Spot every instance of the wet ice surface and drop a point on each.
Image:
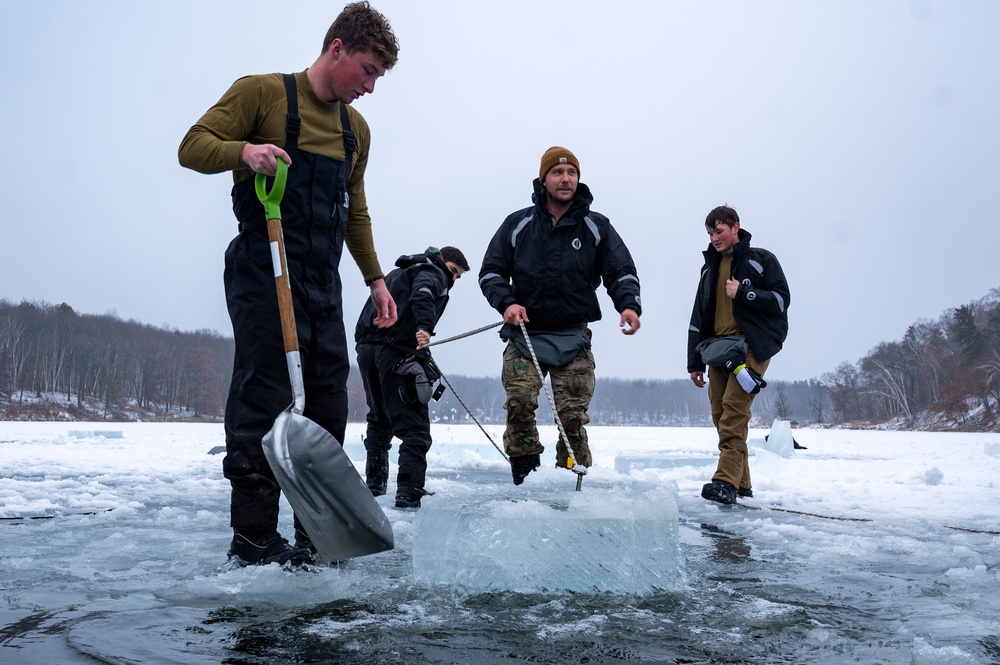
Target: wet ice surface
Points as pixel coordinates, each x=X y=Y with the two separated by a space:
x=126 y=564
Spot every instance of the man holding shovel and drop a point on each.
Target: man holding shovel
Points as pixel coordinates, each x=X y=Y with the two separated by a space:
x=305 y=120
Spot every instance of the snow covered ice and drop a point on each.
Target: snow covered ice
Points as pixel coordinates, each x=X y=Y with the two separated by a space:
x=866 y=547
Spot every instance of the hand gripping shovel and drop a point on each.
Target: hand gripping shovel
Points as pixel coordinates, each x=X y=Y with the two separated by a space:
x=319 y=480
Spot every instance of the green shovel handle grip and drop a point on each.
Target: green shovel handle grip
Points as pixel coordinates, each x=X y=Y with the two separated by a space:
x=272 y=199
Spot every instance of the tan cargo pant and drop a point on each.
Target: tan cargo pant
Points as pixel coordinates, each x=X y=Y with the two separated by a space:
x=572 y=389
x=731 y=415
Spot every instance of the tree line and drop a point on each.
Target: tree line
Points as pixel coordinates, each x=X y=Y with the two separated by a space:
x=108 y=367
x=946 y=371
x=56 y=363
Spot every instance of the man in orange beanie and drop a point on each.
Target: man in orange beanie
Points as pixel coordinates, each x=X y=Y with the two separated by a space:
x=555 y=156
x=542 y=268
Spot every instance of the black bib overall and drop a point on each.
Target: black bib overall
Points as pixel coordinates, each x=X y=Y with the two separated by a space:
x=314 y=214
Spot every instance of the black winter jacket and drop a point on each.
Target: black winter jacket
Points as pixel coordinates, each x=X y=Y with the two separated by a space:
x=419 y=284
x=554 y=271
x=760 y=306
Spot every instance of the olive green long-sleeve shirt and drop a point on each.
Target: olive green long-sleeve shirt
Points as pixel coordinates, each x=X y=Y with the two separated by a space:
x=254 y=110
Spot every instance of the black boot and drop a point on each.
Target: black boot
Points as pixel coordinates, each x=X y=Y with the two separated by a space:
x=409 y=497
x=377 y=471
x=521 y=466
x=720 y=491
x=261 y=551
x=302 y=539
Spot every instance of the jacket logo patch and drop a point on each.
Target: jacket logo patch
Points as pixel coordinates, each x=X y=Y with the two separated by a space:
x=751 y=295
x=576 y=243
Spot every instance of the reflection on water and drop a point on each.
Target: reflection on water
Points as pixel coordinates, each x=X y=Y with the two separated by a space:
x=729 y=548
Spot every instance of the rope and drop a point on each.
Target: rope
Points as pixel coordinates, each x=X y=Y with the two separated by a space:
x=855 y=519
x=467 y=334
x=49 y=517
x=802 y=512
x=471 y=415
x=455 y=392
x=960 y=528
x=552 y=403
x=577 y=469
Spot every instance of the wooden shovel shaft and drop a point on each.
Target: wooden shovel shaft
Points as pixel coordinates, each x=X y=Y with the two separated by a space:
x=284 y=287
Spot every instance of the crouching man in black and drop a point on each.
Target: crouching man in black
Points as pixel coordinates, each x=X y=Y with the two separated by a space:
x=398 y=372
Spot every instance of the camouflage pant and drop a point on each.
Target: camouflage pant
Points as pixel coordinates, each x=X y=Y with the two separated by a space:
x=572 y=389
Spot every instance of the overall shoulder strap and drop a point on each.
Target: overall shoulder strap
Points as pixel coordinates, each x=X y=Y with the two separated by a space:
x=350 y=144
x=293 y=123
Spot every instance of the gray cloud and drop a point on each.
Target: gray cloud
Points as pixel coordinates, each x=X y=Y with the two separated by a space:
x=855 y=139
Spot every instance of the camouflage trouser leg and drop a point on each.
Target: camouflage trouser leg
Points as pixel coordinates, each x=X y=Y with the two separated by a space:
x=572 y=389
x=522 y=383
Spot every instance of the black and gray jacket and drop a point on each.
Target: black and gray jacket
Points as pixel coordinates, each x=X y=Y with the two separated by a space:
x=554 y=271
x=419 y=285
x=760 y=306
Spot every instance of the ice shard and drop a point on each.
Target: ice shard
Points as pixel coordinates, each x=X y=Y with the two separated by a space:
x=780 y=440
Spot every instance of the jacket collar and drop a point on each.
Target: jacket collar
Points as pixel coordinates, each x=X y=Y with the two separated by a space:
x=577 y=209
x=426 y=258
x=741 y=246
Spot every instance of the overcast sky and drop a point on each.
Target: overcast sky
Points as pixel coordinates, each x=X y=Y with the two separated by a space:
x=857 y=140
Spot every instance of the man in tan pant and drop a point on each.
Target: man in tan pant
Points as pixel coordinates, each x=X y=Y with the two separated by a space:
x=742 y=297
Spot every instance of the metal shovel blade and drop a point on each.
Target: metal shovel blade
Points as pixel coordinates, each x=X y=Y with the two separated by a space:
x=327 y=493
x=334 y=505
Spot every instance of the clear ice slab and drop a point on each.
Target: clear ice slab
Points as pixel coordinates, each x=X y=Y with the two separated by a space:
x=602 y=539
x=629 y=462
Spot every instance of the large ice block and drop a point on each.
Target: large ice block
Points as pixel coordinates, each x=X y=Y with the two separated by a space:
x=93 y=434
x=628 y=462
x=597 y=540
